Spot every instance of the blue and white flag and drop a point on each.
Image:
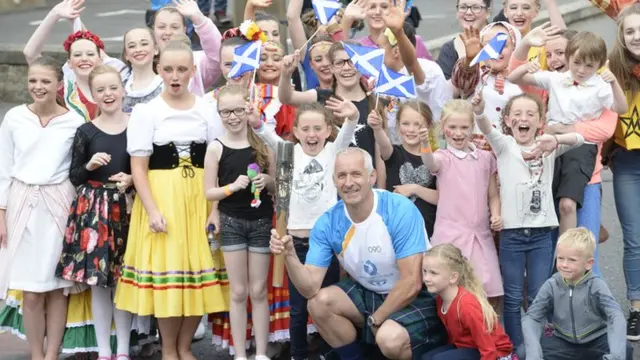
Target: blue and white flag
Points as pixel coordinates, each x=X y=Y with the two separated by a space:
x=245 y=58
x=395 y=84
x=367 y=60
x=492 y=50
x=325 y=9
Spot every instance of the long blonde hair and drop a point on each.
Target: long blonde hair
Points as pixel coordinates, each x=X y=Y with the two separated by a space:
x=453 y=107
x=452 y=257
x=621 y=61
x=260 y=149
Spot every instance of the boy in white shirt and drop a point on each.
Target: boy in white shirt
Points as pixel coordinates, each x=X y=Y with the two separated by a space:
x=576 y=95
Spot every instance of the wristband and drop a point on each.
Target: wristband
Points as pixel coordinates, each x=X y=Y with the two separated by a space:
x=425 y=150
x=557 y=141
x=227 y=190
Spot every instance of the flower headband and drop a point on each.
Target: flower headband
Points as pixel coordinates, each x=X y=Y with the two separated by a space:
x=252 y=32
x=87 y=35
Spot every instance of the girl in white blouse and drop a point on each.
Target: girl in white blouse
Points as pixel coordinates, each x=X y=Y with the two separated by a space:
x=35 y=196
x=168 y=270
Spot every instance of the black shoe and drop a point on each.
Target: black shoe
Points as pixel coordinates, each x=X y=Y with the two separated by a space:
x=633 y=326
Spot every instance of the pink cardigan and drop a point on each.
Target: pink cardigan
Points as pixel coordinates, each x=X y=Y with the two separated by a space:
x=207 y=61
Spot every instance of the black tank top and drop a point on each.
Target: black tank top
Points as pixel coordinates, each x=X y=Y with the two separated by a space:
x=233 y=163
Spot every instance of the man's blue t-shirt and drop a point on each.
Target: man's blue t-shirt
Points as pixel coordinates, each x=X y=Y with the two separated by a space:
x=369 y=250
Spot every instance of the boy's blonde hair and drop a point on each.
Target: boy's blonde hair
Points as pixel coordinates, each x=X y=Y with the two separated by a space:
x=579 y=239
x=453 y=107
x=452 y=257
x=588 y=46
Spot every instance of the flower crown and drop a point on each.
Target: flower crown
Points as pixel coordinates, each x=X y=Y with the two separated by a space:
x=252 y=32
x=87 y=35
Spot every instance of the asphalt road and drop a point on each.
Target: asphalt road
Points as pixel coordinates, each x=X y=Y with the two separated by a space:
x=111 y=18
x=12 y=348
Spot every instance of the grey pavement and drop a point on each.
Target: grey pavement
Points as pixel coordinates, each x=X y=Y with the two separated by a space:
x=111 y=18
x=12 y=348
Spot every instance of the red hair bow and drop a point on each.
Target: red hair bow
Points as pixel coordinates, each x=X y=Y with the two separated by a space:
x=87 y=35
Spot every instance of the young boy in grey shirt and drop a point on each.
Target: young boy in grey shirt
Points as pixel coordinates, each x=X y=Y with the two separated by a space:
x=588 y=323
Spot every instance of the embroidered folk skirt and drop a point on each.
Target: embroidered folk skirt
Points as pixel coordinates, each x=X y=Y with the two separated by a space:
x=172 y=274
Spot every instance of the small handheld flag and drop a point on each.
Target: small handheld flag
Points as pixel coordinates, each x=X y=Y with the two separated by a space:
x=395 y=84
x=492 y=50
x=367 y=60
x=245 y=58
x=325 y=9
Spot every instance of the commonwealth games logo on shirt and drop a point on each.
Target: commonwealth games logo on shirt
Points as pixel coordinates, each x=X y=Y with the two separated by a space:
x=376 y=279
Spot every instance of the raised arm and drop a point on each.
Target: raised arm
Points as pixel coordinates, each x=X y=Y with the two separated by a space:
x=67 y=9
x=347 y=110
x=394 y=19
x=296 y=30
x=266 y=133
x=286 y=92
x=524 y=74
x=210 y=40
x=430 y=161
x=382 y=139
x=555 y=16
x=252 y=5
x=619 y=97
x=355 y=11
x=465 y=78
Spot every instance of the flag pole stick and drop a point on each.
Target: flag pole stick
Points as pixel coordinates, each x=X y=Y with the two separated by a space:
x=377 y=100
x=309 y=39
x=253 y=85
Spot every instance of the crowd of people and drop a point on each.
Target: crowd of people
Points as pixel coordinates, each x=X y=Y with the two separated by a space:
x=137 y=197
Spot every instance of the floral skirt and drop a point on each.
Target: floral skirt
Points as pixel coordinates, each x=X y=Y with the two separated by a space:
x=96 y=236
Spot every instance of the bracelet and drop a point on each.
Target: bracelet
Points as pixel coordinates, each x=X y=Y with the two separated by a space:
x=227 y=190
x=425 y=150
x=259 y=128
x=557 y=141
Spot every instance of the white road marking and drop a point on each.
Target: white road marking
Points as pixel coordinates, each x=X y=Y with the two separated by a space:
x=115 y=38
x=120 y=12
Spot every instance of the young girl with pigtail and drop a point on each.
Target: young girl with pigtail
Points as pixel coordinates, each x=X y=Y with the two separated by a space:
x=313 y=193
x=462 y=305
x=526 y=198
x=276 y=119
x=468 y=198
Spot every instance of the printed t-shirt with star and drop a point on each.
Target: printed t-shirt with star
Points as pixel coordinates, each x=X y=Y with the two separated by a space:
x=363 y=138
x=627 y=132
x=569 y=101
x=406 y=168
x=369 y=251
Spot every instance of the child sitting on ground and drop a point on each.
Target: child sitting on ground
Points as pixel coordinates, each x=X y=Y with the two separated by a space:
x=588 y=322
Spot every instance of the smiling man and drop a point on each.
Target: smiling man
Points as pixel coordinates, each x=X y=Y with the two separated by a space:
x=379 y=239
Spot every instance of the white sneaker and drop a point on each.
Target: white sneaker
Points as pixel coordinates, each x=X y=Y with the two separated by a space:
x=200 y=332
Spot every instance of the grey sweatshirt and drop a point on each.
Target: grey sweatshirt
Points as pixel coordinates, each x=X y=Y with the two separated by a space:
x=581 y=313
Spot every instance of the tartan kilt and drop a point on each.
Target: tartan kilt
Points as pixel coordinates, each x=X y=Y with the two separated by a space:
x=420 y=318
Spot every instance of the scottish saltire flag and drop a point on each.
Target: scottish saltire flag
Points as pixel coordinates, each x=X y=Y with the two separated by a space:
x=367 y=60
x=492 y=50
x=325 y=9
x=245 y=58
x=395 y=84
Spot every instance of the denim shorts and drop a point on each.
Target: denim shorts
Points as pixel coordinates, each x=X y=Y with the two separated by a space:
x=240 y=234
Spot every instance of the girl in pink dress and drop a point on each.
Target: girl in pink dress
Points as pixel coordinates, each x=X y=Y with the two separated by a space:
x=469 y=201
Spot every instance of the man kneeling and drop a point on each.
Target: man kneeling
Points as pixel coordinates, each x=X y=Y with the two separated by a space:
x=379 y=238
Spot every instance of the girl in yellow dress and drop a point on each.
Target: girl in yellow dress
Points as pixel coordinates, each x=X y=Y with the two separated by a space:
x=168 y=269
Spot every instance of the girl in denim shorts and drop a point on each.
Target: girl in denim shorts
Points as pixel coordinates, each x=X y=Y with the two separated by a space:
x=245 y=215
